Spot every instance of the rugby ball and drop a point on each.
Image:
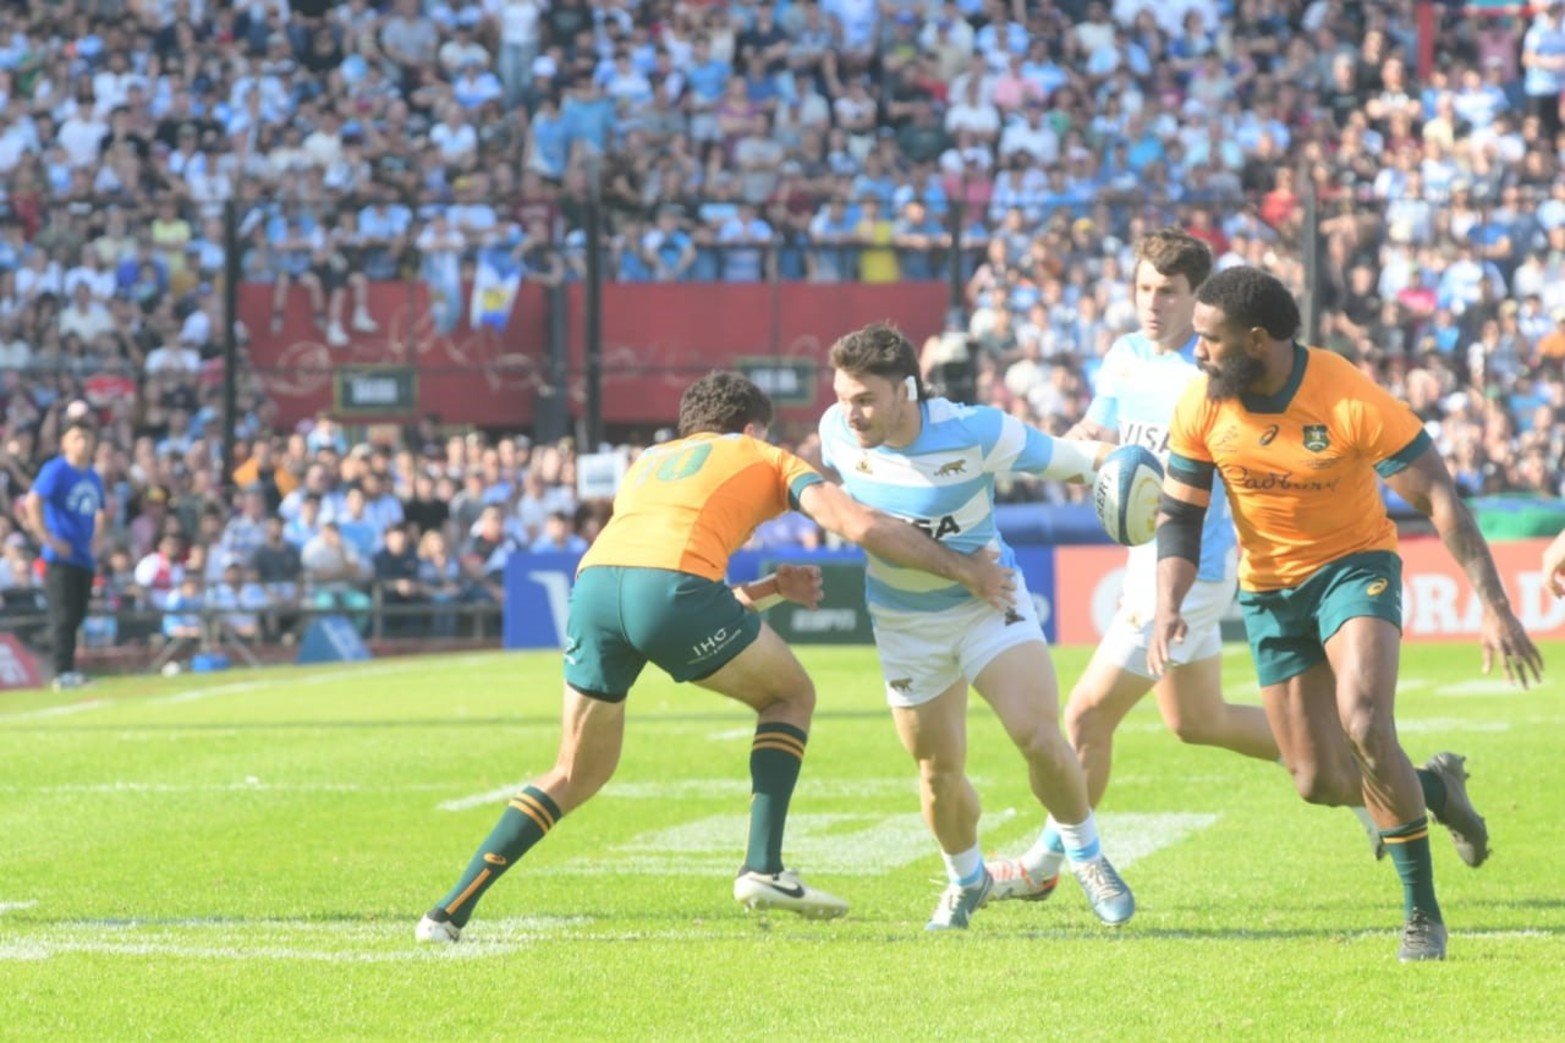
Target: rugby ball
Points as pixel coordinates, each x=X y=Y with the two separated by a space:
x=1126 y=495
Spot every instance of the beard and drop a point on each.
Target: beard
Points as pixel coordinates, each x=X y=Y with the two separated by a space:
x=1232 y=376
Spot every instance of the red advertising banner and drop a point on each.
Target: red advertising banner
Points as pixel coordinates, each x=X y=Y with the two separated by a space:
x=406 y=369
x=657 y=338
x=18 y=668
x=1438 y=604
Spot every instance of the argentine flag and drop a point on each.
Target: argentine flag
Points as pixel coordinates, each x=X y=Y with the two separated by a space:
x=495 y=284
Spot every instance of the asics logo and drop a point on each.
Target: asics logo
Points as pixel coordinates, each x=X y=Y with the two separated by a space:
x=1270 y=433
x=1376 y=588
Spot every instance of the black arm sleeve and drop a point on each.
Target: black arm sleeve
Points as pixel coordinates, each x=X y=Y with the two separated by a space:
x=1179 y=534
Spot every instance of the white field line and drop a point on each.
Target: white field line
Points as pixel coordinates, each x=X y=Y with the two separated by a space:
x=1421 y=725
x=1480 y=686
x=731 y=734
x=728 y=787
x=478 y=800
x=54 y=711
x=250 y=785
x=7 y=906
x=280 y=680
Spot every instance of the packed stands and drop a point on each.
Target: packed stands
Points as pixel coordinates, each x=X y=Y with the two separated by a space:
x=849 y=140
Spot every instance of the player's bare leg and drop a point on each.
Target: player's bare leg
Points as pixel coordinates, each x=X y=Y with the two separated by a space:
x=1190 y=699
x=935 y=733
x=1019 y=684
x=591 y=737
x=1364 y=654
x=1102 y=697
x=767 y=677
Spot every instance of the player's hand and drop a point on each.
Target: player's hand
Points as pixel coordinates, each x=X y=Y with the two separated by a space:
x=1554 y=565
x=1168 y=630
x=61 y=548
x=1504 y=638
x=988 y=581
x=800 y=584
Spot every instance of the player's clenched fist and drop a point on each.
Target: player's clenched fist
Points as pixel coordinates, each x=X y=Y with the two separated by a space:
x=1167 y=631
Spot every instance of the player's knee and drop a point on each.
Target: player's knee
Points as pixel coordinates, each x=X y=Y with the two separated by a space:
x=1047 y=750
x=795 y=690
x=1086 y=721
x=1192 y=729
x=1371 y=734
x=940 y=776
x=1319 y=786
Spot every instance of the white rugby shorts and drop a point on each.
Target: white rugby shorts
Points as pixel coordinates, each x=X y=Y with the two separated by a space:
x=1130 y=632
x=924 y=653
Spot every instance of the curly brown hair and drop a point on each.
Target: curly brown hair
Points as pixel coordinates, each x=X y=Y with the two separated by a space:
x=879 y=349
x=723 y=402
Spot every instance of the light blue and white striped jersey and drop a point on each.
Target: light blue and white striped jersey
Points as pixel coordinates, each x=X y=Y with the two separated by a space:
x=943 y=483
x=1135 y=394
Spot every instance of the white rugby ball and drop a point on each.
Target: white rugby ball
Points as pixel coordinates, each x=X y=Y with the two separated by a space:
x=1126 y=495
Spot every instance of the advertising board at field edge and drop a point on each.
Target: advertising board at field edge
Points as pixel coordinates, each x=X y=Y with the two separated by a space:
x=1438 y=603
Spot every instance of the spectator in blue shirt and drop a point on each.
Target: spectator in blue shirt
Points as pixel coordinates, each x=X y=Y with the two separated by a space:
x=559 y=536
x=65 y=509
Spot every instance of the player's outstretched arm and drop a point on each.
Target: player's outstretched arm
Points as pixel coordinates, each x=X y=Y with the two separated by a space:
x=800 y=584
x=1554 y=565
x=902 y=544
x=1075 y=460
x=1181 y=518
x=1427 y=485
x=1091 y=431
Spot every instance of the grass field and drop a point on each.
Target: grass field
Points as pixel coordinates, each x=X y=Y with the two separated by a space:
x=243 y=856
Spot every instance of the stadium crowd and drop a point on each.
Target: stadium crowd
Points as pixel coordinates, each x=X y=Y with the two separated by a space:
x=827 y=141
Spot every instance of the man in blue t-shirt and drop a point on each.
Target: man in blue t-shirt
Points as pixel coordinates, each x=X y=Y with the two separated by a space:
x=64 y=510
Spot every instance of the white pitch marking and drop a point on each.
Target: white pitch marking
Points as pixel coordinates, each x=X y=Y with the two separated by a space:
x=478 y=800
x=247 y=786
x=6 y=907
x=1417 y=726
x=55 y=711
x=1479 y=686
x=1521 y=932
x=1413 y=684
x=734 y=786
x=730 y=734
x=1129 y=836
x=282 y=680
x=37 y=950
x=829 y=843
x=278 y=679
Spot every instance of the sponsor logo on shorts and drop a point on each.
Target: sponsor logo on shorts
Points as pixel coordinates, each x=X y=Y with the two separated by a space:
x=1012 y=616
x=1315 y=437
x=902 y=684
x=1269 y=434
x=950 y=468
x=1376 y=587
x=862 y=467
x=711 y=645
